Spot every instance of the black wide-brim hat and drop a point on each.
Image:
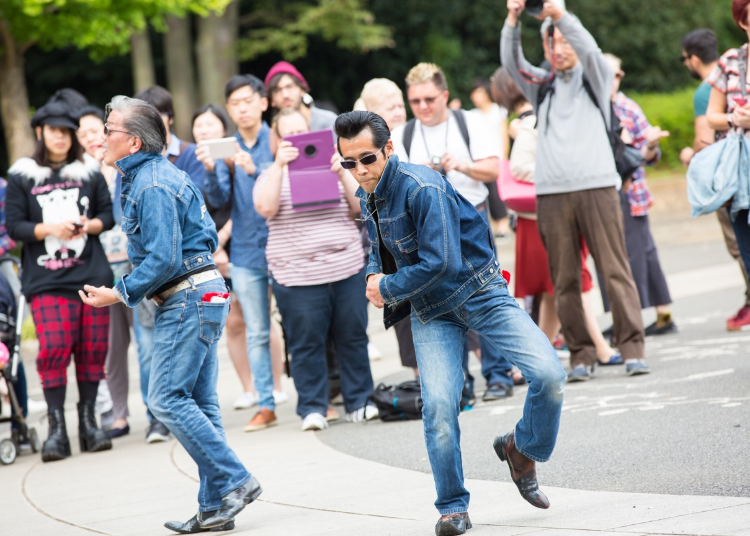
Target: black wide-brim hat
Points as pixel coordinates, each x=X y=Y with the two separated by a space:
x=54 y=114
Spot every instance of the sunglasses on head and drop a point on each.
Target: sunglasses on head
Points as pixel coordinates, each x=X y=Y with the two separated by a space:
x=365 y=160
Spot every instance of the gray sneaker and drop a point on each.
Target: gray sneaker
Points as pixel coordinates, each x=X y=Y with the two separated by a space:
x=157 y=432
x=581 y=373
x=633 y=367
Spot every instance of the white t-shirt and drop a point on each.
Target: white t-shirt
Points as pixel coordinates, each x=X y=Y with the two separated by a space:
x=494 y=119
x=437 y=141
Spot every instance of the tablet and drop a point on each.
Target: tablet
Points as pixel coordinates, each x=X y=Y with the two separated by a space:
x=221 y=148
x=313 y=184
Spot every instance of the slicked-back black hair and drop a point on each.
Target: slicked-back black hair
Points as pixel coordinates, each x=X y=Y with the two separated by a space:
x=702 y=43
x=242 y=80
x=350 y=124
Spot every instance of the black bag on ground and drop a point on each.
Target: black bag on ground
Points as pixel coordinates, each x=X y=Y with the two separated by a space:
x=401 y=402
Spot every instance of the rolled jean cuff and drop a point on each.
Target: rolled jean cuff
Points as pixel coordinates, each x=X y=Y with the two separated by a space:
x=449 y=511
x=211 y=508
x=528 y=454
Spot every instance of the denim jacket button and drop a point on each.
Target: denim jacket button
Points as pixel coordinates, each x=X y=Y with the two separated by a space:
x=492 y=271
x=200 y=259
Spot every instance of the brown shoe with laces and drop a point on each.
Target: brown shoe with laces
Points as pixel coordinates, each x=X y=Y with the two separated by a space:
x=263 y=419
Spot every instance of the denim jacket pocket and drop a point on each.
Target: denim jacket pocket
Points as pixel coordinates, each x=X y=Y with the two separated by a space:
x=408 y=247
x=212 y=319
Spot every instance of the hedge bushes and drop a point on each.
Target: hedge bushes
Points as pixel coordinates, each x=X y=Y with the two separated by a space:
x=672 y=112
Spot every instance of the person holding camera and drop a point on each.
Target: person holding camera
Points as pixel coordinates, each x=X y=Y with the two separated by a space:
x=459 y=146
x=577 y=179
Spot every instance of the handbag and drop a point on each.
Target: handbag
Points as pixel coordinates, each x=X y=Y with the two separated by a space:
x=401 y=402
x=721 y=171
x=519 y=196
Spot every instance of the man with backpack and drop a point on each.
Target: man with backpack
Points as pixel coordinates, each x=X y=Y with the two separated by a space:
x=458 y=146
x=577 y=178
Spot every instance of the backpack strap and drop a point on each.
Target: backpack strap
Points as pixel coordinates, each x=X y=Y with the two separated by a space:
x=545 y=89
x=409 y=135
x=463 y=127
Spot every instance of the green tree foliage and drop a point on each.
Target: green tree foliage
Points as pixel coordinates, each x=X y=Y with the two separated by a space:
x=285 y=27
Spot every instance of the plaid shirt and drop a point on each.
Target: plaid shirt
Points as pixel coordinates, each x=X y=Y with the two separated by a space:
x=634 y=121
x=726 y=78
x=6 y=242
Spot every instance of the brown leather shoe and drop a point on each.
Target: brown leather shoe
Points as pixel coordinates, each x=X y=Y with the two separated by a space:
x=263 y=419
x=453 y=524
x=522 y=470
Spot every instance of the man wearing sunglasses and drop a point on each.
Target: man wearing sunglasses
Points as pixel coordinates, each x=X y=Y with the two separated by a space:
x=459 y=146
x=433 y=260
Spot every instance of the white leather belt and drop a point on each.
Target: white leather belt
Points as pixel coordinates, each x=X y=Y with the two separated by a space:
x=196 y=279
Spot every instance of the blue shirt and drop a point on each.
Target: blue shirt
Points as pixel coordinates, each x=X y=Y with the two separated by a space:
x=249 y=231
x=700 y=99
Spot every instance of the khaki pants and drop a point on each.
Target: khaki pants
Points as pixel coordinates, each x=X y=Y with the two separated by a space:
x=595 y=214
x=732 y=247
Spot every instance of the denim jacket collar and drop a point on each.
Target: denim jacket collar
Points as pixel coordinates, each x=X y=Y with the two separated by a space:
x=130 y=165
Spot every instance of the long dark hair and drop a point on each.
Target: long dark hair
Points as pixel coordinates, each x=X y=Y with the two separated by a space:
x=41 y=154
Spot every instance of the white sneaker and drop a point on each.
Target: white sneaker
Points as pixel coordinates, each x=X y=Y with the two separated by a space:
x=373 y=352
x=367 y=413
x=280 y=397
x=314 y=421
x=245 y=401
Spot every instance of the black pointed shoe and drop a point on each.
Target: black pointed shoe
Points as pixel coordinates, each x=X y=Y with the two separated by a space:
x=522 y=470
x=193 y=525
x=452 y=524
x=232 y=504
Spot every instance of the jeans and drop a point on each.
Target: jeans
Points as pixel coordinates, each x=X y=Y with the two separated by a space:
x=493 y=313
x=182 y=387
x=311 y=313
x=251 y=288
x=742 y=232
x=144 y=336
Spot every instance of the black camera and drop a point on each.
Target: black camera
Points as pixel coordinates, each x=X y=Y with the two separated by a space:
x=534 y=7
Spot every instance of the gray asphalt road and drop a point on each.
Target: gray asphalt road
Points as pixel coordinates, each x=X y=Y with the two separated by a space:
x=684 y=429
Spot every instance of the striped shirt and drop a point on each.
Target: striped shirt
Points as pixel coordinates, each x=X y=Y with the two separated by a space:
x=726 y=78
x=312 y=247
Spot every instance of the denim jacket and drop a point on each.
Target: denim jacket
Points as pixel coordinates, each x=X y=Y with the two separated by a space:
x=169 y=230
x=443 y=248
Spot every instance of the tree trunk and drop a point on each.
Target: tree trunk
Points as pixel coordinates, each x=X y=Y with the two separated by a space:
x=217 y=52
x=142 y=60
x=178 y=53
x=14 y=97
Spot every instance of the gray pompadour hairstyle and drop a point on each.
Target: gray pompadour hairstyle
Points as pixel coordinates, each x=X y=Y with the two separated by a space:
x=140 y=119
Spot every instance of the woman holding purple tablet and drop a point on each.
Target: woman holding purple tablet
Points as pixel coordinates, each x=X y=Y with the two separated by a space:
x=317 y=266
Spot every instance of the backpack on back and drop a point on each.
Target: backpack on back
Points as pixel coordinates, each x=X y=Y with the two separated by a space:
x=458 y=115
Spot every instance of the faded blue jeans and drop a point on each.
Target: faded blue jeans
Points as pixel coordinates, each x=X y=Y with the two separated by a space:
x=251 y=288
x=493 y=313
x=182 y=387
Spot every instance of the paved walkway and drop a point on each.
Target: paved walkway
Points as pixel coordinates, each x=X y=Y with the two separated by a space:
x=311 y=489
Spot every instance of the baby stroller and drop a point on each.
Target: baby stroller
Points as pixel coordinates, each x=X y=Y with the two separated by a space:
x=11 y=320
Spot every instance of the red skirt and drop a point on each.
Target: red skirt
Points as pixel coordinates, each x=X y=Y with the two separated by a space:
x=532 y=264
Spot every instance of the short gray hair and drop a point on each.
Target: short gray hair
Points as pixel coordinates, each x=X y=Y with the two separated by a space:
x=141 y=120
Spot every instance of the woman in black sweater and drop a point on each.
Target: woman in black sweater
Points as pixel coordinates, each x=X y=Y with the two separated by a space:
x=57 y=203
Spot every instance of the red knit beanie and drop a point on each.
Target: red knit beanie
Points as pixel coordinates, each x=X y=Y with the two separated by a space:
x=284 y=67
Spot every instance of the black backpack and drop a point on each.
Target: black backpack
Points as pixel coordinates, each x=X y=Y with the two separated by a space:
x=460 y=120
x=627 y=158
x=401 y=402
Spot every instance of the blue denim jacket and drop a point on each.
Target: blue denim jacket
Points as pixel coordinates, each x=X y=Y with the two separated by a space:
x=443 y=248
x=169 y=230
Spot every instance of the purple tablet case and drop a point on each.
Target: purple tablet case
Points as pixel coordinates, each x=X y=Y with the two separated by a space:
x=313 y=184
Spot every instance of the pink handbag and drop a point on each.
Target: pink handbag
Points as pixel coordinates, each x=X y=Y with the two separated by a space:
x=519 y=196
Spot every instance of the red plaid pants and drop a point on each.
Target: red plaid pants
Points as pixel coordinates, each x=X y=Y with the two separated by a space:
x=68 y=327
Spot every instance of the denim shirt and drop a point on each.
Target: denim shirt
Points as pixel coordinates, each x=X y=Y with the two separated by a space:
x=443 y=248
x=249 y=231
x=169 y=230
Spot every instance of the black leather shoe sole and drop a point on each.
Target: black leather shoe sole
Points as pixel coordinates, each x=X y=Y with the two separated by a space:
x=192 y=526
x=527 y=484
x=453 y=526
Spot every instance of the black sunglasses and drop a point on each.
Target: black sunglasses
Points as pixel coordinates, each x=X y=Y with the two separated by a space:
x=366 y=160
